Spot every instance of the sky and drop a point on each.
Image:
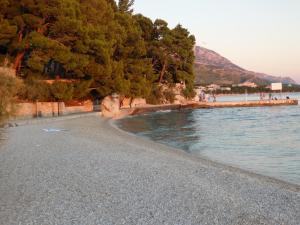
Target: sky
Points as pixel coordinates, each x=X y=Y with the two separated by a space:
x=258 y=35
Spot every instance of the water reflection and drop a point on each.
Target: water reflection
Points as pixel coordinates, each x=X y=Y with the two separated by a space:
x=265 y=140
x=176 y=128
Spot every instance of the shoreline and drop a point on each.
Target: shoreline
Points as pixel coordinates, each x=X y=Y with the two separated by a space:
x=125 y=112
x=112 y=123
x=94 y=166
x=202 y=159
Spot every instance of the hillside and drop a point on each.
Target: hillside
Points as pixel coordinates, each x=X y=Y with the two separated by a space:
x=211 y=67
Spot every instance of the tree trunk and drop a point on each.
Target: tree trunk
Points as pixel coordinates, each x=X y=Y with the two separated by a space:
x=20 y=55
x=18 y=61
x=163 y=71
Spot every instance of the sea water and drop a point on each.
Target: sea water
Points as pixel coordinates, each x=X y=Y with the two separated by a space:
x=264 y=140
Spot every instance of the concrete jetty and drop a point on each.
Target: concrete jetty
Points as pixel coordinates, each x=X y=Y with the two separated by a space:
x=200 y=105
x=245 y=103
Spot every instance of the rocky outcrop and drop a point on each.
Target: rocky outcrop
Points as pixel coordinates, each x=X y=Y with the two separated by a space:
x=110 y=106
x=113 y=106
x=126 y=103
x=136 y=102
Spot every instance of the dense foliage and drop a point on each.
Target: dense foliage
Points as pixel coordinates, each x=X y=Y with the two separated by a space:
x=99 y=44
x=9 y=87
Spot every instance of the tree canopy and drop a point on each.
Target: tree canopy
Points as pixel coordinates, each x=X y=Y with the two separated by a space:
x=97 y=42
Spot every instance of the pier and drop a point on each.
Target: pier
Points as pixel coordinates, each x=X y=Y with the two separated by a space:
x=261 y=103
x=202 y=105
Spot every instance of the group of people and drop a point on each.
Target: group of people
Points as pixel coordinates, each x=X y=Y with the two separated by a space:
x=271 y=97
x=203 y=97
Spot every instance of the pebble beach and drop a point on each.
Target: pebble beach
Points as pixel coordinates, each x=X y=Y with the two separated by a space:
x=87 y=171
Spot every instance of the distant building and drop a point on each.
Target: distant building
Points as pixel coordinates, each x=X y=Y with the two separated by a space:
x=213 y=87
x=276 y=86
x=248 y=84
x=225 y=89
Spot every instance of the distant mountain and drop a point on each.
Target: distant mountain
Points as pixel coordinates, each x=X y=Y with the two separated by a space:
x=211 y=67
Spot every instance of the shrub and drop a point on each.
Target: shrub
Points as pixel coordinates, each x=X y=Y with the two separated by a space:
x=62 y=91
x=156 y=96
x=169 y=95
x=9 y=87
x=35 y=90
x=81 y=89
x=189 y=92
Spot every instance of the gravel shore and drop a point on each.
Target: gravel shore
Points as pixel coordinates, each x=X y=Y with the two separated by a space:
x=92 y=173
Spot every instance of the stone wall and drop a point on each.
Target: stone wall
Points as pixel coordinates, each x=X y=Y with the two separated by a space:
x=7 y=71
x=50 y=109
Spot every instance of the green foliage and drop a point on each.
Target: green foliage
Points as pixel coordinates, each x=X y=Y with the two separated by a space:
x=169 y=95
x=189 y=92
x=156 y=96
x=98 y=43
x=81 y=89
x=9 y=87
x=35 y=90
x=62 y=91
x=125 y=6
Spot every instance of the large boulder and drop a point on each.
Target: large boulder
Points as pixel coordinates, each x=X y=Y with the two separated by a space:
x=197 y=96
x=125 y=103
x=136 y=102
x=179 y=99
x=110 y=106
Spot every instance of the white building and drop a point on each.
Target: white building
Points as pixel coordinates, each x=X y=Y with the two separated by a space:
x=248 y=84
x=213 y=87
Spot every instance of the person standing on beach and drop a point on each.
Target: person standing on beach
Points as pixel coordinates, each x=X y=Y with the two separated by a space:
x=214 y=98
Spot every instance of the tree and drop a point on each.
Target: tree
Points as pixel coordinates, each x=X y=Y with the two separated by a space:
x=62 y=91
x=98 y=43
x=124 y=6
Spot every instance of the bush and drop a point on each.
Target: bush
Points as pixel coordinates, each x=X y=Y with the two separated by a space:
x=189 y=92
x=35 y=90
x=62 y=91
x=9 y=87
x=156 y=96
x=81 y=89
x=169 y=95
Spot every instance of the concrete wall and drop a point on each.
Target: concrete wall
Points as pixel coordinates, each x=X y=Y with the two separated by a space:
x=50 y=109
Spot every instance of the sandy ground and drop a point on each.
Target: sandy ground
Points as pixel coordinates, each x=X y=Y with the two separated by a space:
x=92 y=173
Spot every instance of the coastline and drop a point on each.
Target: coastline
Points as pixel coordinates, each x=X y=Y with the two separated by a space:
x=208 y=161
x=202 y=105
x=140 y=181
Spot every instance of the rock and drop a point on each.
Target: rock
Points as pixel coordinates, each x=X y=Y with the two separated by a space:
x=138 y=102
x=197 y=98
x=179 y=99
x=125 y=103
x=110 y=106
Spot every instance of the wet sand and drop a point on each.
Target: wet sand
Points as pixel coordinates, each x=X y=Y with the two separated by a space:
x=92 y=173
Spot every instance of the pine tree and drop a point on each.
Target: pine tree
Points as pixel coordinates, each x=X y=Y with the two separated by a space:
x=96 y=42
x=124 y=6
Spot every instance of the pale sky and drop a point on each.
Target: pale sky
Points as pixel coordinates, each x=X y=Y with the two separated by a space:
x=258 y=35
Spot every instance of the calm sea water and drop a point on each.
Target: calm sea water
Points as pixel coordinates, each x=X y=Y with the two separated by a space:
x=265 y=140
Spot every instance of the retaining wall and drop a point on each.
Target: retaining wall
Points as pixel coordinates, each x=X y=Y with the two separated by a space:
x=50 y=109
